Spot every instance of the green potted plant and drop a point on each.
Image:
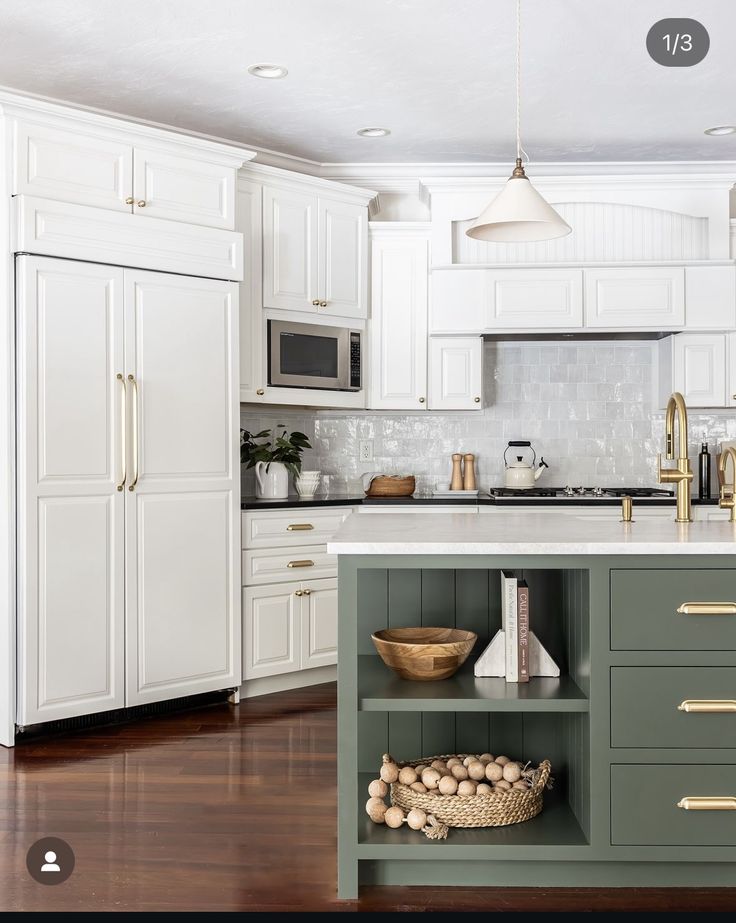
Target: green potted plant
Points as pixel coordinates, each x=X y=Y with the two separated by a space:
x=274 y=459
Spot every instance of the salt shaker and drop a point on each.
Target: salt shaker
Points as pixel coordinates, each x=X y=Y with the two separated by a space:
x=457 y=472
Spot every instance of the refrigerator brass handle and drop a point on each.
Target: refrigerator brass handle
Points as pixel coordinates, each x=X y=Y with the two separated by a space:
x=123 y=430
x=708 y=706
x=134 y=429
x=300 y=564
x=299 y=527
x=711 y=803
x=707 y=609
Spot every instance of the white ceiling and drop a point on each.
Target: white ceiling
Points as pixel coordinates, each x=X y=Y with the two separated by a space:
x=438 y=73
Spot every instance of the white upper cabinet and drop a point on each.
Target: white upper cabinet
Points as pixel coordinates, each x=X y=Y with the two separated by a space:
x=486 y=300
x=290 y=260
x=252 y=329
x=710 y=297
x=455 y=373
x=398 y=332
x=104 y=163
x=167 y=185
x=635 y=297
x=314 y=253
x=73 y=166
x=343 y=251
x=731 y=370
x=695 y=365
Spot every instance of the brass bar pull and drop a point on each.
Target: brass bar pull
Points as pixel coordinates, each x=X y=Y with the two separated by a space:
x=123 y=430
x=708 y=706
x=300 y=527
x=715 y=803
x=300 y=564
x=707 y=609
x=134 y=428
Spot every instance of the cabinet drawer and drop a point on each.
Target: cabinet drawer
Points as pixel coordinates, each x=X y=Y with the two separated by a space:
x=645 y=707
x=277 y=529
x=274 y=565
x=644 y=809
x=645 y=603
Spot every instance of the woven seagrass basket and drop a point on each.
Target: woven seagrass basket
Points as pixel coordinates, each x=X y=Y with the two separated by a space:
x=497 y=809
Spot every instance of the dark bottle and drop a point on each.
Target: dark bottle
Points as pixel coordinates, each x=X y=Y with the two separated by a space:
x=704 y=472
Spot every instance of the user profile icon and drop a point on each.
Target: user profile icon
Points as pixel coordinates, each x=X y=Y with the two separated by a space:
x=50 y=861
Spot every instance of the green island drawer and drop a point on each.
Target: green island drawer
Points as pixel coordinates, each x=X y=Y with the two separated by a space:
x=645 y=812
x=645 y=705
x=645 y=603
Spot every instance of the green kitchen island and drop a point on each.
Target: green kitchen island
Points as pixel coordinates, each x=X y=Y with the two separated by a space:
x=641 y=619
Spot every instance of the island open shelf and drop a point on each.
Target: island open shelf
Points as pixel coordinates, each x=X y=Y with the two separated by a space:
x=379 y=689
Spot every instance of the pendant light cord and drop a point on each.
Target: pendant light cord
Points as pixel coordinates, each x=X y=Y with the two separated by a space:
x=519 y=149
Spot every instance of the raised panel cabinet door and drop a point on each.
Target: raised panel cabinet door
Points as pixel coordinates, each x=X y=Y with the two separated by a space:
x=635 y=298
x=710 y=297
x=343 y=255
x=699 y=368
x=458 y=301
x=534 y=299
x=319 y=623
x=398 y=331
x=249 y=221
x=72 y=167
x=290 y=250
x=731 y=370
x=271 y=630
x=183 y=189
x=182 y=513
x=70 y=489
x=455 y=373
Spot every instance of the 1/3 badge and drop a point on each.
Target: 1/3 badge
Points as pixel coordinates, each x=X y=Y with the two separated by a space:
x=678 y=42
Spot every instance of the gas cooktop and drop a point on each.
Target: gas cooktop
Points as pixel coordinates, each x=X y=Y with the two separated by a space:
x=572 y=494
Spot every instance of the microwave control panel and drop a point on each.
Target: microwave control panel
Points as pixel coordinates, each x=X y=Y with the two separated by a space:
x=355 y=360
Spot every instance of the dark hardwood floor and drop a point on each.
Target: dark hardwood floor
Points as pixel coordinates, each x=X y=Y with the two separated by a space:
x=223 y=808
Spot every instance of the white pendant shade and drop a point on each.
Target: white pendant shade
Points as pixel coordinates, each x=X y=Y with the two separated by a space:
x=518 y=213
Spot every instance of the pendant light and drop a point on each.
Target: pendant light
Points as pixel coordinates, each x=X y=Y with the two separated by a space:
x=518 y=213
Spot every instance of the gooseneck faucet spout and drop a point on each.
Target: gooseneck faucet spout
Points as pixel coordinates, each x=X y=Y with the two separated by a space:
x=681 y=474
x=728 y=491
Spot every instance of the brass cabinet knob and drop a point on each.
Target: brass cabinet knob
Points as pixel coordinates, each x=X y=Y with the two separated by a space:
x=141 y=203
x=260 y=392
x=421 y=400
x=307 y=592
x=477 y=400
x=129 y=200
x=315 y=302
x=323 y=304
x=298 y=593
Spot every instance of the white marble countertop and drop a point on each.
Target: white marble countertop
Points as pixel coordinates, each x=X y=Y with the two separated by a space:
x=526 y=532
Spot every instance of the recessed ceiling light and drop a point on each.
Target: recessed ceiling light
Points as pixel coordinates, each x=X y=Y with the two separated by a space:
x=721 y=130
x=373 y=132
x=268 y=71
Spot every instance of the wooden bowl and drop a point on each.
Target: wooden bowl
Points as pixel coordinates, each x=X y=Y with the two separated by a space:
x=424 y=653
x=385 y=485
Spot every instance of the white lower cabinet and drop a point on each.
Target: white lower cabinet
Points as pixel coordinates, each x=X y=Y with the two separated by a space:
x=289 y=627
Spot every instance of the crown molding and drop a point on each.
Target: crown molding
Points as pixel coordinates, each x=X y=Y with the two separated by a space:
x=290 y=178
x=421 y=229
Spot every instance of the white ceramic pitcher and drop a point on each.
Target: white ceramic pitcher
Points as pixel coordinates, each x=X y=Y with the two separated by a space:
x=272 y=481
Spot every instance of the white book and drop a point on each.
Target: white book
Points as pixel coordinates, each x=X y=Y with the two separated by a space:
x=510 y=621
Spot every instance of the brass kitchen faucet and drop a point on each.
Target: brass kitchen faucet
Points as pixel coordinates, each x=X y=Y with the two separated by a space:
x=728 y=497
x=681 y=474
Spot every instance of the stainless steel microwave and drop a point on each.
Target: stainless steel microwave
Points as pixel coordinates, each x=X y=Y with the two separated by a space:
x=313 y=356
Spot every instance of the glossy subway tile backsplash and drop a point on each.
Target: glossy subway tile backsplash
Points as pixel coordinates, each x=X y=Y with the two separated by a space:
x=588 y=408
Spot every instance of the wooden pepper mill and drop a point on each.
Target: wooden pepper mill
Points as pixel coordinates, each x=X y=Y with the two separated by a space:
x=457 y=472
x=469 y=472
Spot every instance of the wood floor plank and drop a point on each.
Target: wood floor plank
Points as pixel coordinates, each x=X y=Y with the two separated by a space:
x=226 y=809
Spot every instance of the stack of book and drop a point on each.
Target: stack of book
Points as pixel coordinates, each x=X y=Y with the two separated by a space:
x=515 y=626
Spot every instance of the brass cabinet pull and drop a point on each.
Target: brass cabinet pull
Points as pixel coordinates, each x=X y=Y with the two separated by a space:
x=323 y=304
x=134 y=428
x=129 y=200
x=300 y=527
x=300 y=564
x=123 y=428
x=260 y=392
x=315 y=302
x=708 y=706
x=307 y=592
x=477 y=400
x=141 y=203
x=298 y=593
x=421 y=400
x=707 y=609
x=714 y=803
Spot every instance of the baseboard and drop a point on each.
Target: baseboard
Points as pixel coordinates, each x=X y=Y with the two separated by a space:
x=268 y=684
